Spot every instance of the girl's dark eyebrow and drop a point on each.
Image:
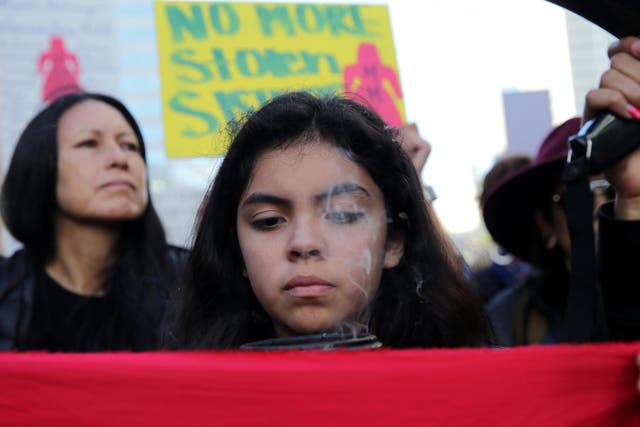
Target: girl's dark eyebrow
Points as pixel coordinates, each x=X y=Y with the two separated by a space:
x=342 y=188
x=257 y=198
x=336 y=190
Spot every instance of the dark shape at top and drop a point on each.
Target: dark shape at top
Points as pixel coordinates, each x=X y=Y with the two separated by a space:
x=619 y=17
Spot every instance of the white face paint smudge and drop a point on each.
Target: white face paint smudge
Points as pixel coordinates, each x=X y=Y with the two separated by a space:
x=359 y=266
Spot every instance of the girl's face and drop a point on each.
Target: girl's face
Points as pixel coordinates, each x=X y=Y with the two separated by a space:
x=101 y=174
x=312 y=229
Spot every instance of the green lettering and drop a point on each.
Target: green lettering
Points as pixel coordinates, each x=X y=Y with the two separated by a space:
x=195 y=72
x=277 y=15
x=312 y=25
x=227 y=24
x=221 y=62
x=346 y=19
x=180 y=22
x=250 y=63
x=263 y=96
x=330 y=89
x=335 y=15
x=358 y=24
x=312 y=63
x=232 y=102
x=208 y=123
x=278 y=63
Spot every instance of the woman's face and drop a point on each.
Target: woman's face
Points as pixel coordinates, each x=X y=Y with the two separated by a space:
x=312 y=229
x=101 y=174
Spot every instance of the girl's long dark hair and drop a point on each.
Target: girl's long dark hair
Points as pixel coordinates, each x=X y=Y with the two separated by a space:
x=141 y=274
x=422 y=302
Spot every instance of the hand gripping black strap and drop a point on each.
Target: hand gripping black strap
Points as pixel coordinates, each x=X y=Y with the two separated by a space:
x=600 y=143
x=604 y=141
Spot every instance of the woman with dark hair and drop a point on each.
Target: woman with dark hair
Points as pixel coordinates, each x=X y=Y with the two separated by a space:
x=95 y=271
x=619 y=221
x=317 y=223
x=524 y=212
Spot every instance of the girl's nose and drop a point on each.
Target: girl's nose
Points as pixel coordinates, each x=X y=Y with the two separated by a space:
x=306 y=241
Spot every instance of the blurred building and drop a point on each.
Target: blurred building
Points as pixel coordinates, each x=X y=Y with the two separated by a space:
x=177 y=185
x=44 y=44
x=527 y=119
x=111 y=45
x=587 y=48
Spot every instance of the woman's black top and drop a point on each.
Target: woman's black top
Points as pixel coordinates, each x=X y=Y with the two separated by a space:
x=36 y=313
x=65 y=321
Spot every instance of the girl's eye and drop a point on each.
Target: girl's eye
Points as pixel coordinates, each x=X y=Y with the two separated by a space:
x=344 y=217
x=266 y=224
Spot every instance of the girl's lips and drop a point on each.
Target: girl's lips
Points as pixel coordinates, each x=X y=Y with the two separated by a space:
x=308 y=287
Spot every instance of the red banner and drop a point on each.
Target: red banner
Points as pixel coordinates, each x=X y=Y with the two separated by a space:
x=589 y=385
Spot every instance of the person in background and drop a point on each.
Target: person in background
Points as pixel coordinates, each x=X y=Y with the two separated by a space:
x=96 y=270
x=619 y=220
x=524 y=214
x=316 y=223
x=418 y=150
x=414 y=145
x=503 y=270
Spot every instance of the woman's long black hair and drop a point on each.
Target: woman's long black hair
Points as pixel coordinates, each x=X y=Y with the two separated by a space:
x=422 y=302
x=141 y=273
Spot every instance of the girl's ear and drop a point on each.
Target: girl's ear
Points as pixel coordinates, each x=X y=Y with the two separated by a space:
x=394 y=248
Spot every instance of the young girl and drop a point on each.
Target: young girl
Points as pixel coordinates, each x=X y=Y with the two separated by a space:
x=316 y=222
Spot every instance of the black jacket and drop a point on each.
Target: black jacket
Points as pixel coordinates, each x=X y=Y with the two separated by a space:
x=619 y=269
x=18 y=281
x=619 y=279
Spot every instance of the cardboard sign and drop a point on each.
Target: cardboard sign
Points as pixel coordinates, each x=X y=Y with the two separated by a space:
x=220 y=60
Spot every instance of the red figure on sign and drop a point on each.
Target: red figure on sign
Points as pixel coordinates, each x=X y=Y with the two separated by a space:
x=60 y=70
x=372 y=74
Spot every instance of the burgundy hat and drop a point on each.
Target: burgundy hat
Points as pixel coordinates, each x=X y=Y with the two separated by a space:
x=508 y=208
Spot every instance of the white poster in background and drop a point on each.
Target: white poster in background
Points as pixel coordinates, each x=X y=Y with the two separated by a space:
x=48 y=47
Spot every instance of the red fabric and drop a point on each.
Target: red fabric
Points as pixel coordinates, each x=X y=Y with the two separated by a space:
x=591 y=385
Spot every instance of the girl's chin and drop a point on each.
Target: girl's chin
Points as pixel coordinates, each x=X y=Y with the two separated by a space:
x=348 y=327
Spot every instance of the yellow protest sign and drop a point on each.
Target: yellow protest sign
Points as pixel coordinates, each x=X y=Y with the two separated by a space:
x=218 y=60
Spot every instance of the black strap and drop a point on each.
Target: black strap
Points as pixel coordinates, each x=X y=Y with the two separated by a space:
x=584 y=320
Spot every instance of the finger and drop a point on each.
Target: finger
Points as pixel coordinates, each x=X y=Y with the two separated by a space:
x=599 y=100
x=627 y=65
x=617 y=80
x=628 y=88
x=407 y=133
x=419 y=157
x=629 y=45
